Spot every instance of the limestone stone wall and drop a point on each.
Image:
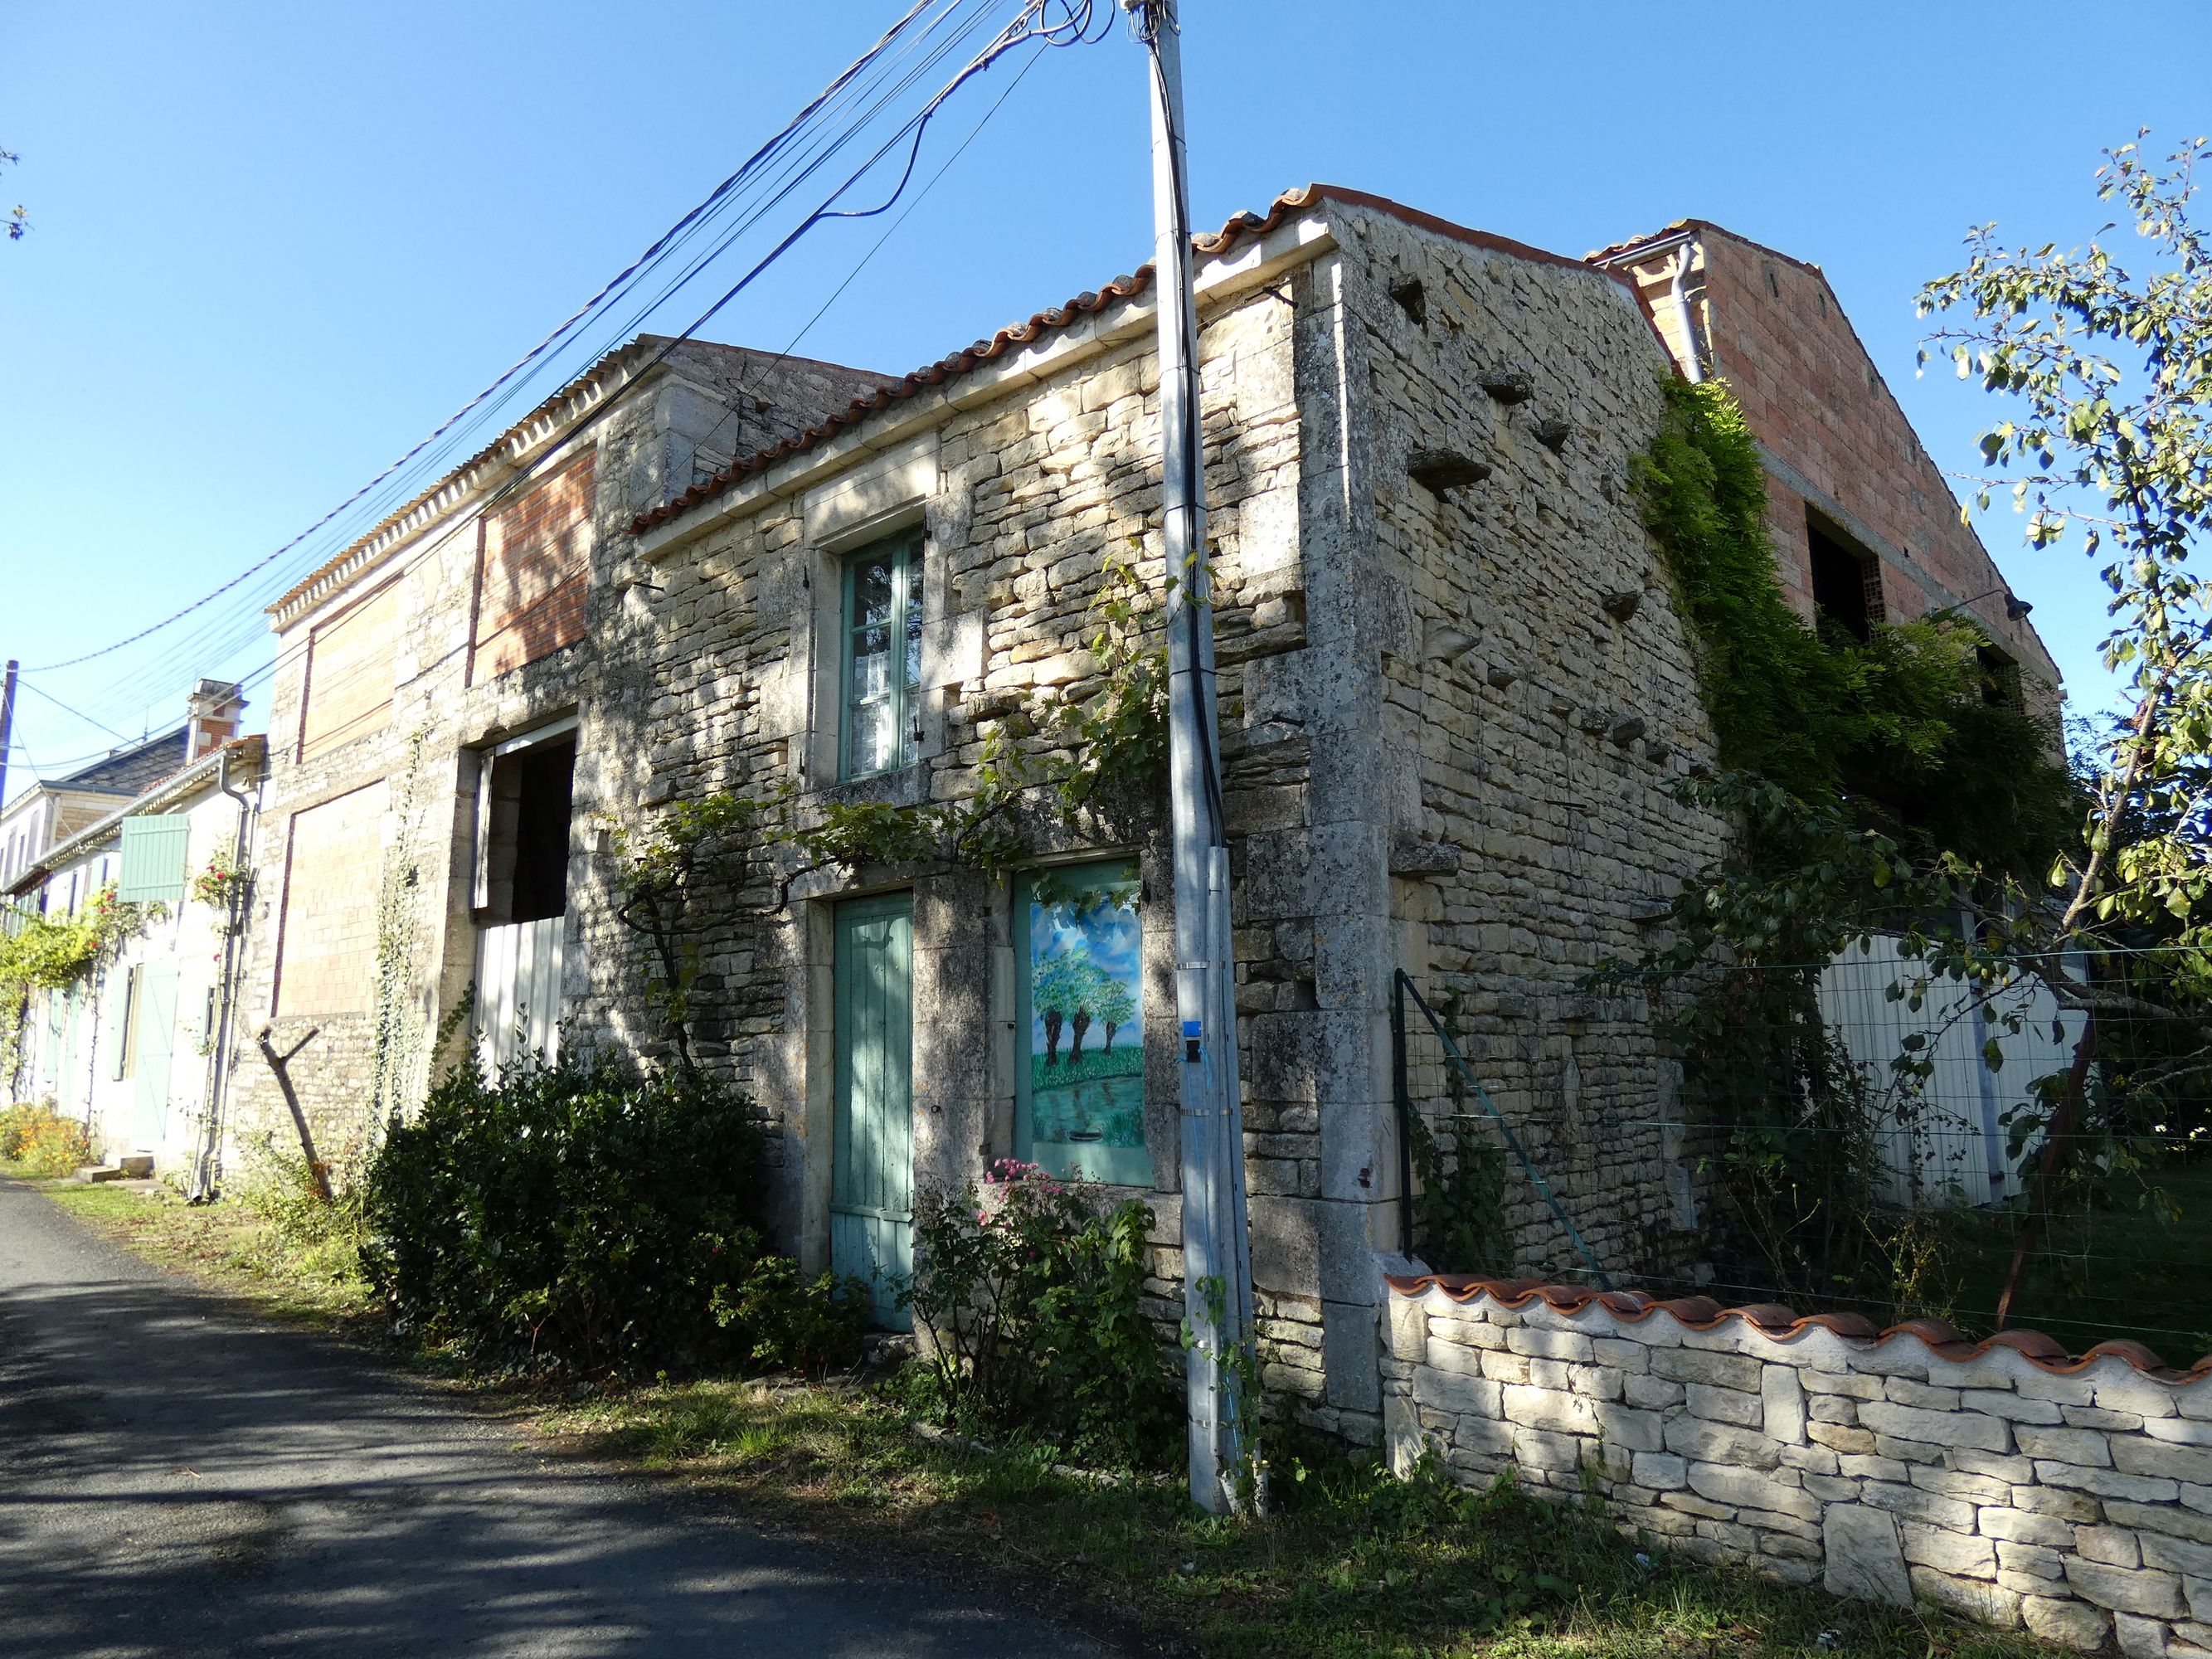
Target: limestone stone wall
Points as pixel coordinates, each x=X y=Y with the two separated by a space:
x=1390 y=800
x=388 y=905
x=2001 y=1479
x=1021 y=497
x=1542 y=708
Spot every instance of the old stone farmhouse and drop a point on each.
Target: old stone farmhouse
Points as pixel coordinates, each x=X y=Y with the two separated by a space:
x=1455 y=700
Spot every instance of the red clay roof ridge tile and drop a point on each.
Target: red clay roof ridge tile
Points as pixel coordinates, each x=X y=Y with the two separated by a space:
x=1702 y=1313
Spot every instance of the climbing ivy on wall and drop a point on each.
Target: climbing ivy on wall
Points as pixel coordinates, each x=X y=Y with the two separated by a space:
x=1901 y=724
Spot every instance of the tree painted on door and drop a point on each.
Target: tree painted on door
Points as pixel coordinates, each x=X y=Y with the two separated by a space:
x=1084 y=1114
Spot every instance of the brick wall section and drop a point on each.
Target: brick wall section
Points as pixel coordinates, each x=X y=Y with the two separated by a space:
x=1834 y=437
x=535 y=571
x=333 y=870
x=2074 y=1497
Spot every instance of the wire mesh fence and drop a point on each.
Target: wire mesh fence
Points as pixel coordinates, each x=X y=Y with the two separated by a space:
x=2032 y=1147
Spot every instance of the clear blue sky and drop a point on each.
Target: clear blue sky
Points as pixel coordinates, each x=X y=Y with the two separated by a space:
x=273 y=245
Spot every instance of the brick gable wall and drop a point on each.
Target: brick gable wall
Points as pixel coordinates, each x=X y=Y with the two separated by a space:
x=535 y=570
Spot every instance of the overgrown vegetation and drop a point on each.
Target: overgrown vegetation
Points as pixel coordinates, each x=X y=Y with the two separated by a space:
x=56 y=953
x=1032 y=1302
x=1874 y=785
x=1876 y=794
x=1907 y=726
x=581 y=1214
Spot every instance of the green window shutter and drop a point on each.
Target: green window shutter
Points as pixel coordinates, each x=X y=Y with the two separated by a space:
x=153 y=861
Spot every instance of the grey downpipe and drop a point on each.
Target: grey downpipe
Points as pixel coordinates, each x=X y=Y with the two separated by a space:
x=206 y=1171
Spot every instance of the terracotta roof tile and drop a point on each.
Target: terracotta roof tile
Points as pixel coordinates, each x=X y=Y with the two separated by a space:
x=1702 y=1313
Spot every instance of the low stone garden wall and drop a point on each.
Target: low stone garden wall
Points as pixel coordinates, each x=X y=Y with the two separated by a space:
x=2004 y=1480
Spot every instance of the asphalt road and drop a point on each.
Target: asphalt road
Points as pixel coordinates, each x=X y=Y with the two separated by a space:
x=176 y=1479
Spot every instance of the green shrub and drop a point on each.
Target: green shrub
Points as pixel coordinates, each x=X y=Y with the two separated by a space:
x=581 y=1214
x=1033 y=1305
x=42 y=1143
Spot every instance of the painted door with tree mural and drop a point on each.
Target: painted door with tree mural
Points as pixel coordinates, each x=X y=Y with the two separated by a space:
x=1080 y=1024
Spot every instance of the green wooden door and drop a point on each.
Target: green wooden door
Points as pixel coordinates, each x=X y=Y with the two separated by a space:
x=156 y=1021
x=872 y=1165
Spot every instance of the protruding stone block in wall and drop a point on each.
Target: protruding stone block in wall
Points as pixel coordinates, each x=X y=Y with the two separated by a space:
x=1508 y=385
x=1413 y=855
x=1437 y=470
x=1865 y=1554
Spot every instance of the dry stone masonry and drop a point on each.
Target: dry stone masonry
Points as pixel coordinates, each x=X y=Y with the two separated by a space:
x=2003 y=1480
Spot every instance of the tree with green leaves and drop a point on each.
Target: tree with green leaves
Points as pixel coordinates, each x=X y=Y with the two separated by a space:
x=2105 y=362
x=1116 y=1004
x=2103 y=356
x=1058 y=992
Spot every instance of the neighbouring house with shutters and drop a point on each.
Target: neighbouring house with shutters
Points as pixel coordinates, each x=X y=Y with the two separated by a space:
x=140 y=1050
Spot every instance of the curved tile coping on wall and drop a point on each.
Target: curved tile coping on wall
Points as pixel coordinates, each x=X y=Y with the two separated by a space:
x=1702 y=1313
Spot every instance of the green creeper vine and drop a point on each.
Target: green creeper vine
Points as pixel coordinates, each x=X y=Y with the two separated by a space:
x=399 y=1024
x=1873 y=786
x=1901 y=724
x=1060 y=752
x=53 y=953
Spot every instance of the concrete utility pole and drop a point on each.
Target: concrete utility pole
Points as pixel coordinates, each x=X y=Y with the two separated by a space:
x=1216 y=1248
x=6 y=725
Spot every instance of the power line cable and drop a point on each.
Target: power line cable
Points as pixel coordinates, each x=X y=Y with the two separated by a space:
x=1034 y=21
x=192 y=653
x=531 y=356
x=66 y=709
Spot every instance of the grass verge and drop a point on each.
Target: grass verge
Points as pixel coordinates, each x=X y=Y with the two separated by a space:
x=1352 y=1564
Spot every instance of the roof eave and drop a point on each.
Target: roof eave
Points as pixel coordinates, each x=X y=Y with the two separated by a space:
x=1055 y=341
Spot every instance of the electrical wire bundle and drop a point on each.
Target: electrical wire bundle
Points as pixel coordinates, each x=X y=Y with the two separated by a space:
x=865 y=131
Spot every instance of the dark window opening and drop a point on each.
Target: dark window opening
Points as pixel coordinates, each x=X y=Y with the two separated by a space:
x=522 y=871
x=1846 y=583
x=2000 y=679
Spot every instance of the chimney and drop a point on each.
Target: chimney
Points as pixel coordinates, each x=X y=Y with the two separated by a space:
x=211 y=714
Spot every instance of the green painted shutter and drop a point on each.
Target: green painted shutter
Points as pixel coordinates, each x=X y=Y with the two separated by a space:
x=872 y=1157
x=153 y=861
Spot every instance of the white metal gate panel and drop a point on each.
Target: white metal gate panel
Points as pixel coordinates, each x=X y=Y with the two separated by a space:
x=518 y=968
x=1944 y=1139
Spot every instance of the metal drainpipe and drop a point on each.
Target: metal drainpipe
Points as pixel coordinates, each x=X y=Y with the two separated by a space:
x=1678 y=293
x=218 y=1089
